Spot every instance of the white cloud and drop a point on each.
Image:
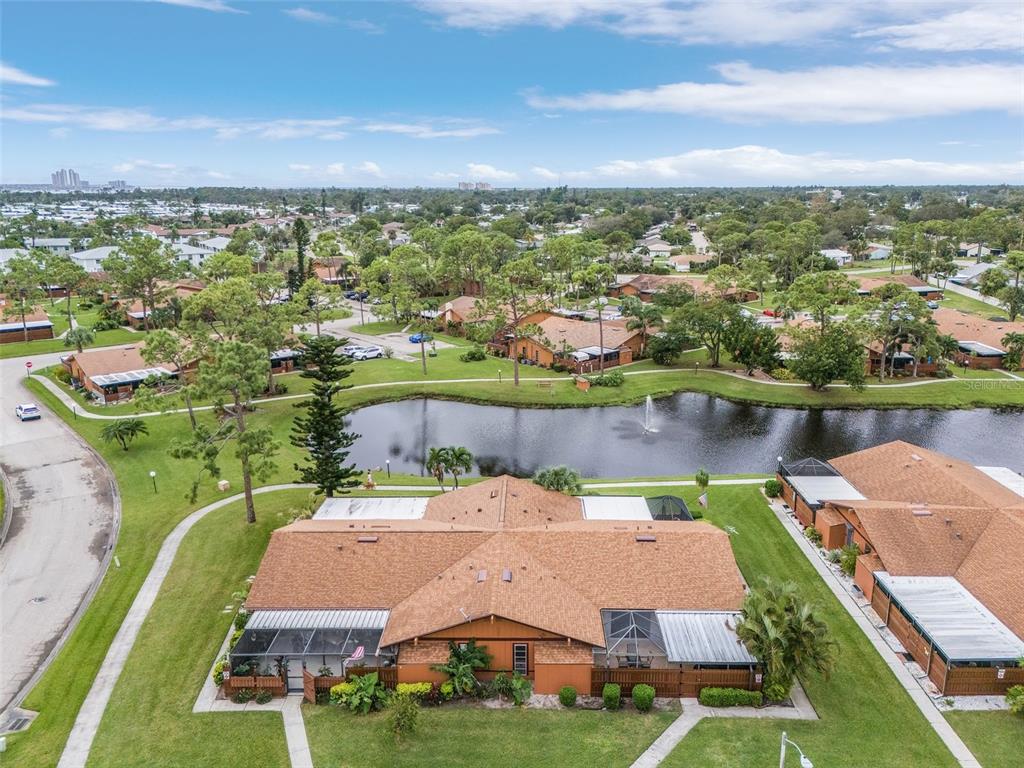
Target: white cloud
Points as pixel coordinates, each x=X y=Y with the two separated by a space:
x=485 y=171
x=544 y=173
x=314 y=17
x=838 y=94
x=370 y=168
x=752 y=164
x=428 y=131
x=445 y=175
x=218 y=175
x=134 y=165
x=299 y=167
x=217 y=6
x=59 y=133
x=991 y=27
x=706 y=22
x=364 y=25
x=335 y=169
x=13 y=76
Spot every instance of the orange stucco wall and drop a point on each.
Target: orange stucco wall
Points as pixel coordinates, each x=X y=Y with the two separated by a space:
x=419 y=673
x=864 y=578
x=550 y=678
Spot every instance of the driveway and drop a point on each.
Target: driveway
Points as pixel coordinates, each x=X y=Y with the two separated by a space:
x=398 y=342
x=64 y=510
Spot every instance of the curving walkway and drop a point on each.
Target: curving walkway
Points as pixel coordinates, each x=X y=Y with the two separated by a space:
x=61 y=524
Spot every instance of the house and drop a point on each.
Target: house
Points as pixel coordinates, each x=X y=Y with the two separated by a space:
x=114 y=374
x=91 y=259
x=979 y=340
x=13 y=329
x=60 y=246
x=876 y=252
x=972 y=274
x=912 y=283
x=460 y=310
x=976 y=251
x=556 y=588
x=577 y=344
x=215 y=244
x=838 y=255
x=646 y=286
x=136 y=313
x=6 y=254
x=941 y=543
x=656 y=247
x=684 y=262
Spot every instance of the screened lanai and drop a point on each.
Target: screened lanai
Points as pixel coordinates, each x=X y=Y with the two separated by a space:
x=664 y=639
x=318 y=638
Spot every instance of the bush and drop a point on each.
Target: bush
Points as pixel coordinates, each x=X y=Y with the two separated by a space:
x=730 y=697
x=415 y=690
x=218 y=671
x=323 y=697
x=848 y=559
x=241 y=618
x=263 y=696
x=643 y=697
x=280 y=388
x=105 y=325
x=235 y=637
x=1015 y=698
x=612 y=695
x=340 y=692
x=367 y=693
x=611 y=379
x=521 y=689
x=473 y=355
x=403 y=712
x=772 y=488
x=567 y=696
x=243 y=696
x=63 y=375
x=559 y=368
x=776 y=692
x=834 y=555
x=389 y=353
x=783 y=374
x=447 y=690
x=813 y=535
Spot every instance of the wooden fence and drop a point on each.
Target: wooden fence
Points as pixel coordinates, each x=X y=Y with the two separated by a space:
x=271 y=683
x=979 y=681
x=674 y=683
x=313 y=684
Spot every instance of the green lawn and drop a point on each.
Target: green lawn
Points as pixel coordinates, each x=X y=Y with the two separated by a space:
x=58 y=316
x=379 y=328
x=953 y=300
x=475 y=738
x=866 y=718
x=995 y=738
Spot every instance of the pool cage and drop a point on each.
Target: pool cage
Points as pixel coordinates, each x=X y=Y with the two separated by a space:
x=633 y=639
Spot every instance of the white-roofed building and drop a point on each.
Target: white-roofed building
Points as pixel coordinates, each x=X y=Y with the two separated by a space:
x=375 y=508
x=615 y=508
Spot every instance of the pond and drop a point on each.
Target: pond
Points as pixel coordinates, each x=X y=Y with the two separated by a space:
x=693 y=431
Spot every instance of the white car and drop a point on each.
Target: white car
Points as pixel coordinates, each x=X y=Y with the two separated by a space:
x=367 y=353
x=28 y=412
x=350 y=349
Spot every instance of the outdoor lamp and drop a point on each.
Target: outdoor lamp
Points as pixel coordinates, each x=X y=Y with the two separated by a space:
x=152 y=476
x=805 y=762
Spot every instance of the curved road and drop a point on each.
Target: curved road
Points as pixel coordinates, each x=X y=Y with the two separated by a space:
x=64 y=512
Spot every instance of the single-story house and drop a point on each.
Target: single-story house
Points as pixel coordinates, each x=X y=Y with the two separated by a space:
x=838 y=255
x=976 y=250
x=60 y=246
x=12 y=329
x=898 y=361
x=577 y=344
x=114 y=374
x=136 y=313
x=646 y=286
x=941 y=543
x=979 y=340
x=970 y=275
x=551 y=591
x=910 y=282
x=876 y=252
x=655 y=247
x=684 y=262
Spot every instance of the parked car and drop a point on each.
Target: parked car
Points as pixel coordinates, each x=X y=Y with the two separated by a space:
x=350 y=349
x=28 y=412
x=356 y=295
x=367 y=353
x=420 y=338
x=933 y=305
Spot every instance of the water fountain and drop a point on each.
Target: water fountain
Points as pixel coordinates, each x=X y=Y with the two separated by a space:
x=649 y=416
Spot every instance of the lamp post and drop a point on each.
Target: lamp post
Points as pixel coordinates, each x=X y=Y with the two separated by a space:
x=804 y=760
x=601 y=301
x=152 y=476
x=387 y=462
x=779 y=459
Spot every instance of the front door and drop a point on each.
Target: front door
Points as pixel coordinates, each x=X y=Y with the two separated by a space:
x=295 y=667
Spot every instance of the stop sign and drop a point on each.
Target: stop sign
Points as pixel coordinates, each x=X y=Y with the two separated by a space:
x=28 y=365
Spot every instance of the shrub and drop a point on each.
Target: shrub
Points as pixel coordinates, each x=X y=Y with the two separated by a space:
x=783 y=374
x=813 y=535
x=643 y=697
x=235 y=637
x=1015 y=698
x=502 y=685
x=772 y=488
x=263 y=696
x=403 y=712
x=367 y=693
x=415 y=690
x=610 y=379
x=105 y=325
x=612 y=695
x=243 y=695
x=834 y=555
x=730 y=697
x=389 y=353
x=340 y=692
x=323 y=697
x=567 y=696
x=447 y=690
x=559 y=368
x=241 y=618
x=218 y=670
x=280 y=388
x=848 y=559
x=775 y=692
x=521 y=689
x=473 y=355
x=63 y=375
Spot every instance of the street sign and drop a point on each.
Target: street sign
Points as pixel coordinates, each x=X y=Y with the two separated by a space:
x=28 y=364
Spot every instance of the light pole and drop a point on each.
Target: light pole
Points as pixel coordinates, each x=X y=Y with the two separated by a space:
x=804 y=760
x=601 y=301
x=152 y=476
x=779 y=458
x=388 y=463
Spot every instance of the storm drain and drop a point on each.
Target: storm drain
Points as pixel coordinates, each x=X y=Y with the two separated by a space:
x=38 y=600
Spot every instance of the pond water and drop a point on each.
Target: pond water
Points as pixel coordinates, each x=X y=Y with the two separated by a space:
x=693 y=431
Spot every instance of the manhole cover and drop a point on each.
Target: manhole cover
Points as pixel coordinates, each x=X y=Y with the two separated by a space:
x=38 y=600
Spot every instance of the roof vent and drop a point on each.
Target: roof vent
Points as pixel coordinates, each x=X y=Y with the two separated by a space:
x=921 y=512
x=915 y=457
x=506 y=574
x=494 y=494
x=646 y=537
x=367 y=539
x=481 y=575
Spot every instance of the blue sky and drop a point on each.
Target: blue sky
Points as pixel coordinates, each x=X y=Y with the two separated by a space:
x=526 y=93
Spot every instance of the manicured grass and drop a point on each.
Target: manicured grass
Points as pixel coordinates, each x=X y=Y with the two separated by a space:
x=44 y=346
x=995 y=738
x=475 y=738
x=379 y=328
x=969 y=304
x=866 y=718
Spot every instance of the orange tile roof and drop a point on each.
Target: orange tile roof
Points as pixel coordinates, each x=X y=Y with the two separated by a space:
x=964 y=327
x=871 y=283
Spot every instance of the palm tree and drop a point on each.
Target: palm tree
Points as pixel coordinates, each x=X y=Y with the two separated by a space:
x=459 y=460
x=123 y=431
x=642 y=317
x=1013 y=342
x=703 y=480
x=782 y=631
x=437 y=464
x=79 y=338
x=562 y=479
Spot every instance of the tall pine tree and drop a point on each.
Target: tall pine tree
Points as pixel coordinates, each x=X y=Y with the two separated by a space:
x=298 y=275
x=320 y=428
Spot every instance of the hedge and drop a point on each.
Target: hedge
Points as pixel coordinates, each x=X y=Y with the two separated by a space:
x=730 y=697
x=567 y=696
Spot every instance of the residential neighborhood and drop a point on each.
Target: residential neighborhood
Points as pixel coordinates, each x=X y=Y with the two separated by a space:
x=479 y=383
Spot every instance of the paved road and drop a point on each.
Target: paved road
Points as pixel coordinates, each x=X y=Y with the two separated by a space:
x=64 y=512
x=398 y=342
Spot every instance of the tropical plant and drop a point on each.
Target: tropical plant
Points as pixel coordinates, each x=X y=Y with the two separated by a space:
x=848 y=559
x=703 y=480
x=1013 y=342
x=123 y=431
x=437 y=464
x=459 y=460
x=562 y=479
x=79 y=338
x=463 y=661
x=367 y=693
x=783 y=631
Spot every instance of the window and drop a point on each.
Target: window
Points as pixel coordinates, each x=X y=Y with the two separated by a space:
x=521 y=658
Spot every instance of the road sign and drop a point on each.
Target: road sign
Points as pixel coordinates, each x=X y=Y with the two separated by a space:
x=28 y=364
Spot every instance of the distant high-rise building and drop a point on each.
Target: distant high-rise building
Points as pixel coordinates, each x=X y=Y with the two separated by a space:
x=117 y=184
x=66 y=179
